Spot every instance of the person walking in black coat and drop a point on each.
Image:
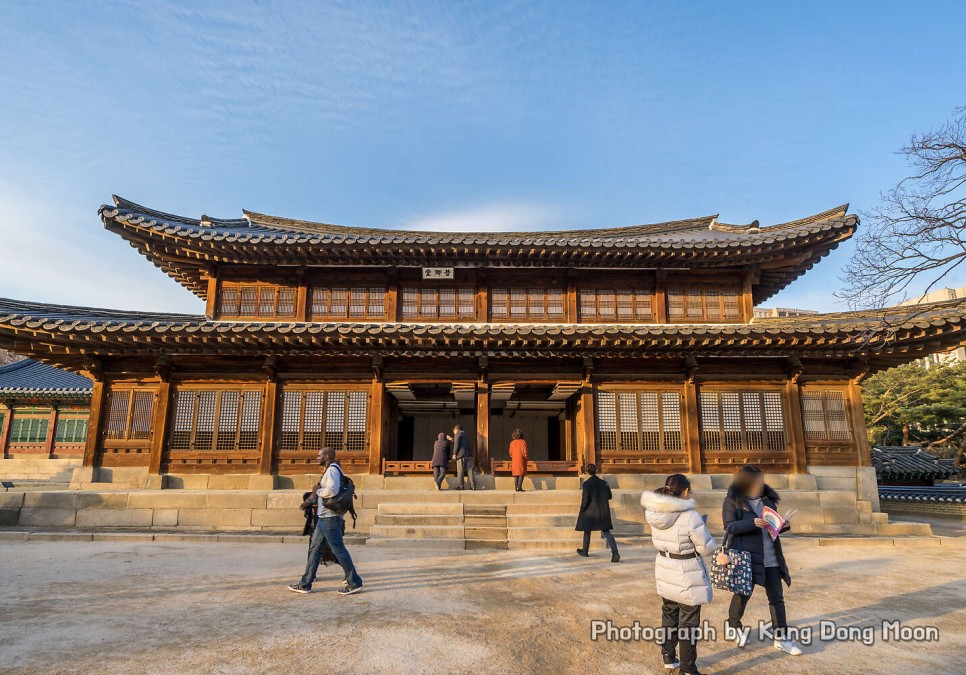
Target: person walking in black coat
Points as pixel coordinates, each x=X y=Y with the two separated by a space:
x=746 y=531
x=594 y=513
x=441 y=450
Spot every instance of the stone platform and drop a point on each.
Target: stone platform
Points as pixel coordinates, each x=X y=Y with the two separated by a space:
x=408 y=511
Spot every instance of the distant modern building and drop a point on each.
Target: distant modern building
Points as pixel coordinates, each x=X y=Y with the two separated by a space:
x=957 y=355
x=781 y=312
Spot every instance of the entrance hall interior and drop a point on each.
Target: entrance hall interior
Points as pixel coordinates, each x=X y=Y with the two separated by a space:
x=543 y=412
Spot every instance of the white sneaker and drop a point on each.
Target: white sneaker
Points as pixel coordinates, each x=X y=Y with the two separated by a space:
x=789 y=647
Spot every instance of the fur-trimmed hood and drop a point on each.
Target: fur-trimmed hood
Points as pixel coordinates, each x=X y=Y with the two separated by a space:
x=662 y=511
x=768 y=493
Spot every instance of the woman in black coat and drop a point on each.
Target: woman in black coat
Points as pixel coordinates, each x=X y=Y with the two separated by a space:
x=746 y=531
x=594 y=513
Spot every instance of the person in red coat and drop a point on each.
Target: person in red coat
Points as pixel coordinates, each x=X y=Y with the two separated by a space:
x=518 y=458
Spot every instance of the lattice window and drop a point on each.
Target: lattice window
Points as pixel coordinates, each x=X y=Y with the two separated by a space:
x=337 y=302
x=439 y=302
x=703 y=305
x=527 y=303
x=129 y=414
x=226 y=420
x=312 y=420
x=735 y=421
x=632 y=421
x=252 y=300
x=29 y=428
x=622 y=304
x=71 y=428
x=825 y=415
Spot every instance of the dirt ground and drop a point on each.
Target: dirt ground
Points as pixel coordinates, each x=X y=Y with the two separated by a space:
x=223 y=607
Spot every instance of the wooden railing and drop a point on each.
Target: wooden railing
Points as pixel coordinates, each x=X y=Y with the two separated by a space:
x=503 y=466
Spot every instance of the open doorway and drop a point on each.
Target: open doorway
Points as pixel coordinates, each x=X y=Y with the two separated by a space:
x=540 y=411
x=428 y=409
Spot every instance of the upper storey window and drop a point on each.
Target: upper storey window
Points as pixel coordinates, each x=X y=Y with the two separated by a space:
x=434 y=302
x=620 y=304
x=256 y=301
x=361 y=302
x=703 y=305
x=527 y=304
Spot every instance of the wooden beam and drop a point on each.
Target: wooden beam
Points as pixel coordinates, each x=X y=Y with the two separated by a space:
x=863 y=447
x=483 y=425
x=691 y=428
x=270 y=401
x=98 y=402
x=747 y=287
x=795 y=426
x=51 y=431
x=212 y=301
x=301 y=296
x=376 y=424
x=572 y=314
x=159 y=426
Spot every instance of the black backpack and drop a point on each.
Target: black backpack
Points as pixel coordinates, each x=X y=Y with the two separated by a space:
x=341 y=502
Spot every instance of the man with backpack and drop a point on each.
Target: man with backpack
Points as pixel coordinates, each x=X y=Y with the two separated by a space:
x=334 y=493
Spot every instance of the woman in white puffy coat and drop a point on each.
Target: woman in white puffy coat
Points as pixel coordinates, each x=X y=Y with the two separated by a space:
x=681 y=537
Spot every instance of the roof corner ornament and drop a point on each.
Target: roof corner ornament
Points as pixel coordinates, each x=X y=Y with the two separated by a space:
x=588 y=367
x=858 y=370
x=163 y=367
x=794 y=368
x=691 y=368
x=270 y=367
x=377 y=367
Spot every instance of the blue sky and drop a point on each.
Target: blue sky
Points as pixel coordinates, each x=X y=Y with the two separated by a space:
x=489 y=115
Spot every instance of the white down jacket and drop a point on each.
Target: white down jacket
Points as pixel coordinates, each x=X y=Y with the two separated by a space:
x=677 y=528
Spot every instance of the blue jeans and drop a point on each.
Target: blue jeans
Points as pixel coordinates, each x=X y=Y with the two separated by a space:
x=329 y=529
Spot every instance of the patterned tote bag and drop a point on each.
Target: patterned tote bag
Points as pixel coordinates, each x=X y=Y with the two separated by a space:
x=736 y=575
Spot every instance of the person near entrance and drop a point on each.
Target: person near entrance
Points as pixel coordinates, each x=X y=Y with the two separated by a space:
x=329 y=529
x=441 y=450
x=463 y=455
x=518 y=459
x=594 y=513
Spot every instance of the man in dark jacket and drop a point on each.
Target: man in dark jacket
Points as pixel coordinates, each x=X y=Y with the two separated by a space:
x=746 y=531
x=463 y=455
x=440 y=459
x=594 y=513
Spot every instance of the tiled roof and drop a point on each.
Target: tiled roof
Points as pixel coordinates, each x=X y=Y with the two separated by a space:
x=907 y=463
x=32 y=379
x=930 y=494
x=184 y=247
x=878 y=335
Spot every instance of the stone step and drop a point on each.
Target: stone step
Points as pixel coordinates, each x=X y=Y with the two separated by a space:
x=430 y=509
x=427 y=542
x=880 y=518
x=564 y=533
x=476 y=533
x=417 y=531
x=904 y=529
x=484 y=520
x=474 y=544
x=484 y=510
x=416 y=520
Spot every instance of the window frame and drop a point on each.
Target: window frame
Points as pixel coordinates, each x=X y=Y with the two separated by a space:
x=351 y=396
x=690 y=293
x=369 y=291
x=614 y=289
x=132 y=422
x=278 y=290
x=525 y=297
x=744 y=445
x=214 y=448
x=826 y=438
x=664 y=433
x=421 y=290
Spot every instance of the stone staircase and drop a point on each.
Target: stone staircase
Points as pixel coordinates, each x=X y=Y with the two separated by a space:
x=485 y=526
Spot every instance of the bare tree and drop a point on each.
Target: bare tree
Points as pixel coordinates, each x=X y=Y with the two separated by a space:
x=8 y=357
x=918 y=234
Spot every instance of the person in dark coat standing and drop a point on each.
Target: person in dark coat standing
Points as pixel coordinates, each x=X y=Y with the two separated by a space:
x=746 y=531
x=594 y=513
x=441 y=450
x=463 y=455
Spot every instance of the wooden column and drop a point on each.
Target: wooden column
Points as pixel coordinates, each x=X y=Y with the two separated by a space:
x=573 y=315
x=796 y=427
x=482 y=296
x=862 y=444
x=270 y=400
x=159 y=426
x=483 y=425
x=749 y=276
x=376 y=424
x=692 y=429
x=212 y=301
x=51 y=431
x=392 y=297
x=660 y=296
x=302 y=296
x=586 y=438
x=5 y=429
x=98 y=403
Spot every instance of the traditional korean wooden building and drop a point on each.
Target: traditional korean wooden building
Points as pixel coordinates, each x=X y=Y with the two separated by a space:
x=634 y=347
